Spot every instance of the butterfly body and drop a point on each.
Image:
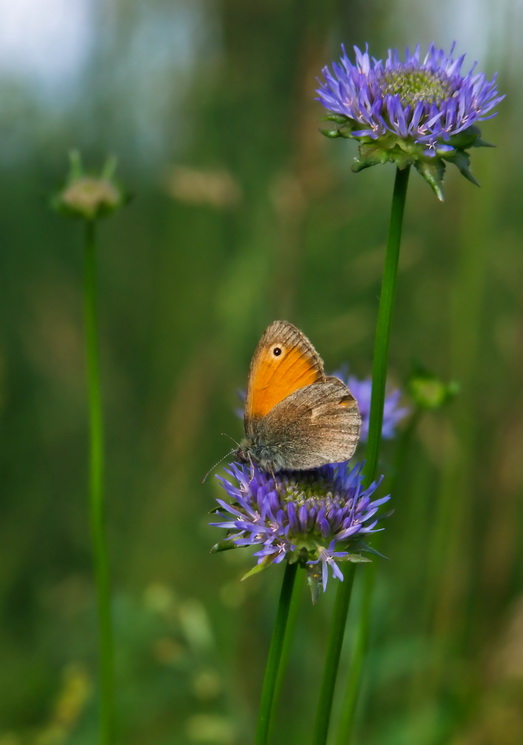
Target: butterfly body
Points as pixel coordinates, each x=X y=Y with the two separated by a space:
x=296 y=417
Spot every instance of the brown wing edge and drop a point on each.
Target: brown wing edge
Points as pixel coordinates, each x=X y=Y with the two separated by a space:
x=285 y=333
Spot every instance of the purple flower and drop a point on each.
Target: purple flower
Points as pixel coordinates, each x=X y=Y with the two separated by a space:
x=393 y=412
x=422 y=112
x=317 y=518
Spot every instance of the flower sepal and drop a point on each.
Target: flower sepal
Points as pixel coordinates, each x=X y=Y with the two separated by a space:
x=346 y=128
x=265 y=563
x=461 y=160
x=224 y=545
x=384 y=150
x=404 y=152
x=365 y=547
x=89 y=197
x=470 y=137
x=356 y=559
x=337 y=118
x=433 y=173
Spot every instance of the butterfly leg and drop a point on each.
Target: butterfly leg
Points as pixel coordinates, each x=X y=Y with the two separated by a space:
x=277 y=485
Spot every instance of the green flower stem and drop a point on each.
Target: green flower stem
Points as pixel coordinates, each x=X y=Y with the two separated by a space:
x=292 y=620
x=274 y=657
x=99 y=546
x=332 y=660
x=350 y=698
x=379 y=380
x=384 y=322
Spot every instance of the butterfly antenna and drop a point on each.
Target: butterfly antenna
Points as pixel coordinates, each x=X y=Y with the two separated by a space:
x=224 y=434
x=216 y=464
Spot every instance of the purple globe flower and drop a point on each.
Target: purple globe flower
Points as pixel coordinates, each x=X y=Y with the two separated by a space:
x=317 y=518
x=422 y=112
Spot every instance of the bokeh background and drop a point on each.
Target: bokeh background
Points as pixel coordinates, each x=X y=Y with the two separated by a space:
x=243 y=213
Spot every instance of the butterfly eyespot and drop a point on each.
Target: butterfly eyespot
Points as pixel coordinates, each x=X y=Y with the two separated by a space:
x=277 y=351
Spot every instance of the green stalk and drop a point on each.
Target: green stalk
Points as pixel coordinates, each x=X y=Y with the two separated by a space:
x=357 y=663
x=362 y=632
x=332 y=660
x=96 y=453
x=292 y=621
x=379 y=379
x=274 y=657
x=384 y=322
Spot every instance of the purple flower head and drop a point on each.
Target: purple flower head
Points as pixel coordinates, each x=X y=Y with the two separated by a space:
x=393 y=412
x=422 y=111
x=317 y=518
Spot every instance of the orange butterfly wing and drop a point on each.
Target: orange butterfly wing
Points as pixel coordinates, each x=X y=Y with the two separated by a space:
x=283 y=362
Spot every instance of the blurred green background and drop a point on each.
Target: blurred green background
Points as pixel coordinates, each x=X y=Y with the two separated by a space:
x=243 y=213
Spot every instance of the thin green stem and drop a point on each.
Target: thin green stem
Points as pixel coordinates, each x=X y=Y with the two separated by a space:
x=384 y=322
x=274 y=657
x=332 y=660
x=96 y=453
x=287 y=642
x=379 y=380
x=350 y=698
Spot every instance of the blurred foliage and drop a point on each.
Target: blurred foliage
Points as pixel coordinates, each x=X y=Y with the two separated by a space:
x=243 y=213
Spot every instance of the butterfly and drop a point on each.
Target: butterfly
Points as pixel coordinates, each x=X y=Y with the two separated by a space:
x=295 y=416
